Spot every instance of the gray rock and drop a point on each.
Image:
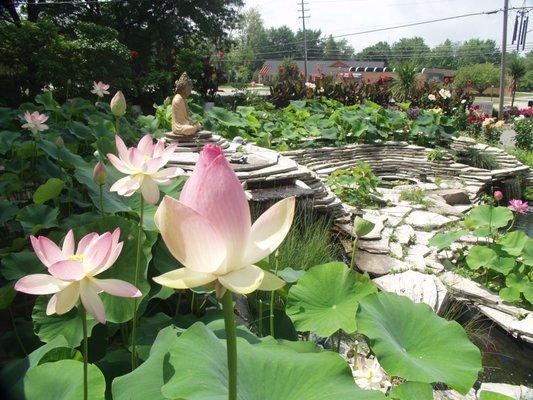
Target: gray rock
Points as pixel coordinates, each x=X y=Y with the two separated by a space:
x=453 y=395
x=419 y=287
x=404 y=233
x=453 y=196
x=373 y=216
x=426 y=219
x=378 y=264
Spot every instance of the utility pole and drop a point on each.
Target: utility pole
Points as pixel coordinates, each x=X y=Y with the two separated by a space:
x=303 y=17
x=503 y=60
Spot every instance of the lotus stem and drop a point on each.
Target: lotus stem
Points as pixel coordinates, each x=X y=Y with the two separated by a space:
x=354 y=251
x=136 y=284
x=117 y=125
x=85 y=353
x=260 y=318
x=272 y=298
x=101 y=200
x=231 y=344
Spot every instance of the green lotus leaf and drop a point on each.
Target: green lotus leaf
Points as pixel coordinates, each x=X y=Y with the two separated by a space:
x=48 y=327
x=412 y=391
x=503 y=265
x=362 y=227
x=12 y=375
x=528 y=292
x=17 y=265
x=527 y=253
x=510 y=294
x=486 y=215
x=488 y=395
x=7 y=211
x=444 y=240
x=480 y=256
x=63 y=380
x=48 y=190
x=412 y=342
x=35 y=217
x=325 y=299
x=513 y=242
x=265 y=371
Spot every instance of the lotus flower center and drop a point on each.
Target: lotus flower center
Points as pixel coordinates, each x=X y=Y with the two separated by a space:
x=146 y=158
x=77 y=257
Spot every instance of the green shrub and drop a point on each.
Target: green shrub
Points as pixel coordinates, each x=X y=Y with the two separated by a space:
x=437 y=154
x=414 y=195
x=356 y=187
x=477 y=158
x=524 y=133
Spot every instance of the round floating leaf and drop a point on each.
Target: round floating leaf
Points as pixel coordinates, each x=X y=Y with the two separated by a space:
x=290 y=275
x=17 y=265
x=527 y=253
x=444 y=240
x=35 y=217
x=412 y=391
x=480 y=256
x=485 y=216
x=488 y=395
x=513 y=242
x=48 y=190
x=412 y=342
x=63 y=380
x=7 y=211
x=270 y=371
x=48 y=327
x=503 y=265
x=325 y=299
x=510 y=294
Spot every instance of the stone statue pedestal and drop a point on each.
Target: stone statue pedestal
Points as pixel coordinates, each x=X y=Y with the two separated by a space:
x=195 y=143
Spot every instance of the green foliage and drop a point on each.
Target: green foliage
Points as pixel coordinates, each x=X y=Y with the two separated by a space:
x=481 y=76
x=48 y=191
x=477 y=158
x=524 y=156
x=393 y=325
x=524 y=133
x=63 y=380
x=357 y=187
x=412 y=391
x=415 y=195
x=504 y=263
x=197 y=355
x=437 y=154
x=325 y=299
x=404 y=87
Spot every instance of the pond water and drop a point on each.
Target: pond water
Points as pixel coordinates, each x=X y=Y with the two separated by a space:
x=505 y=359
x=525 y=222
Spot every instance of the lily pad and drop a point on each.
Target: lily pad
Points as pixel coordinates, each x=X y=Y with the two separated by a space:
x=412 y=391
x=325 y=299
x=265 y=372
x=486 y=215
x=513 y=242
x=412 y=342
x=35 y=217
x=444 y=240
x=480 y=256
x=63 y=380
x=48 y=190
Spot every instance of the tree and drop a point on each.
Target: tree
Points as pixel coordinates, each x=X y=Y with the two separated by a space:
x=280 y=43
x=516 y=69
x=443 y=55
x=404 y=87
x=315 y=47
x=479 y=76
x=337 y=49
x=380 y=51
x=475 y=51
x=413 y=49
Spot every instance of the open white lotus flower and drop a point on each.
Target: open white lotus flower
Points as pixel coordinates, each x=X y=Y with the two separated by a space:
x=209 y=231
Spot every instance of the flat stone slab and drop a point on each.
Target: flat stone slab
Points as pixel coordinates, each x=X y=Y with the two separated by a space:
x=522 y=328
x=453 y=395
x=404 y=233
x=467 y=288
x=426 y=219
x=380 y=246
x=397 y=211
x=419 y=287
x=423 y=237
x=378 y=264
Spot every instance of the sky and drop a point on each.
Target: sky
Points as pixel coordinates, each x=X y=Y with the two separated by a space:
x=339 y=17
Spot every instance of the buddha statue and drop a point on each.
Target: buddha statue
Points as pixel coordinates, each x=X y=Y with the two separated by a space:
x=182 y=124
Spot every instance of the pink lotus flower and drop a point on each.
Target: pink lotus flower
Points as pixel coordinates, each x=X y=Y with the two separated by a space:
x=72 y=273
x=209 y=231
x=35 y=121
x=518 y=206
x=100 y=88
x=498 y=195
x=143 y=164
